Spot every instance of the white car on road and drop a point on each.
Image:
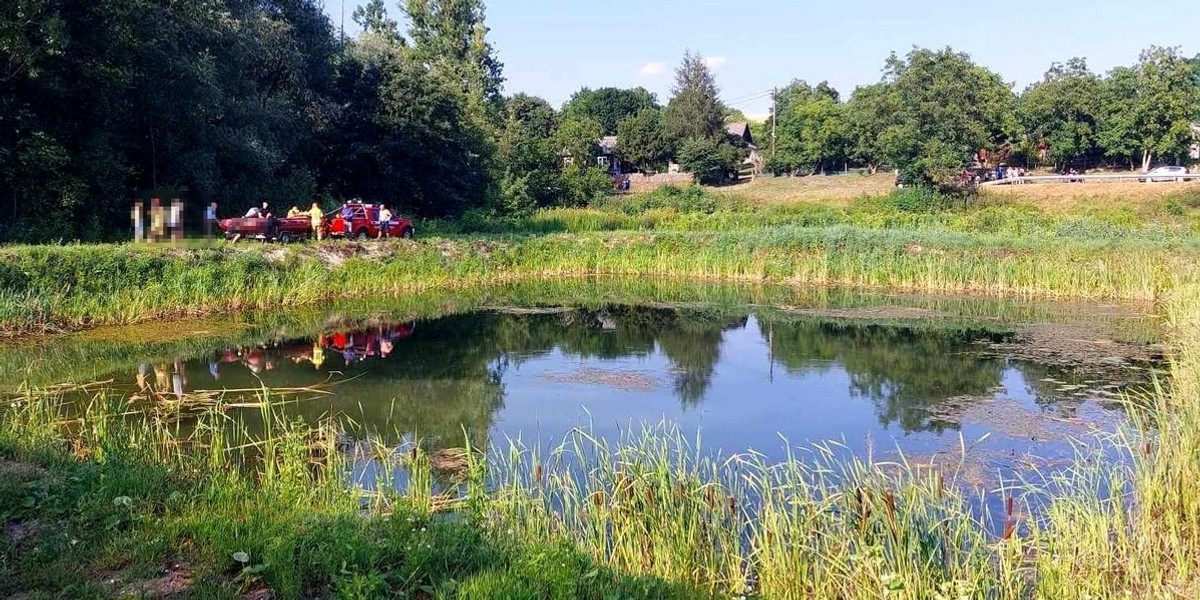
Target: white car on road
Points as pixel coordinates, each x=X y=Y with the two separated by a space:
x=1165 y=174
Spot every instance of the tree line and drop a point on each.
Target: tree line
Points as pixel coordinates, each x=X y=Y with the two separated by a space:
x=935 y=110
x=244 y=101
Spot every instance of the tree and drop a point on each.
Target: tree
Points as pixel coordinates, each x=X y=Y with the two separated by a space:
x=695 y=111
x=642 y=141
x=528 y=156
x=372 y=17
x=869 y=112
x=1148 y=110
x=451 y=37
x=943 y=108
x=709 y=158
x=1061 y=112
x=578 y=138
x=810 y=128
x=405 y=135
x=608 y=106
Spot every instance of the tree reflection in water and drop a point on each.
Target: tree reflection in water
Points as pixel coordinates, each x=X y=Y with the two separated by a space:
x=437 y=379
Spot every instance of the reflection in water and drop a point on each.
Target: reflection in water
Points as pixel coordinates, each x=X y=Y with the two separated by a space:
x=740 y=376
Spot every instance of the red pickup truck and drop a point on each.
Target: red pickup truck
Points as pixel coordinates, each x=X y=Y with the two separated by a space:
x=364 y=223
x=287 y=229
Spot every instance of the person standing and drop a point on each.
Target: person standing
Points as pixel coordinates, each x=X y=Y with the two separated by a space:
x=385 y=220
x=157 y=220
x=210 y=219
x=315 y=215
x=347 y=215
x=136 y=216
x=176 y=220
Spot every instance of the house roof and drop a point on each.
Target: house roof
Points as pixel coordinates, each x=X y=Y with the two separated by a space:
x=738 y=129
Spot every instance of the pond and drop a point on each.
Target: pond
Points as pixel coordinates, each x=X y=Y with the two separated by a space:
x=738 y=367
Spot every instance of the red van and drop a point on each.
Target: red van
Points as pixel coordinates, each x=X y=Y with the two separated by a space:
x=364 y=223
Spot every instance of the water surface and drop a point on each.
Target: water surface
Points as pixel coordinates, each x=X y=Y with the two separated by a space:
x=904 y=377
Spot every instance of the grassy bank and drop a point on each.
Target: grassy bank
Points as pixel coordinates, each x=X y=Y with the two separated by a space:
x=57 y=288
x=114 y=503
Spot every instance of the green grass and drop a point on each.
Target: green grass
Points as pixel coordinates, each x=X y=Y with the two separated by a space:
x=110 y=499
x=63 y=288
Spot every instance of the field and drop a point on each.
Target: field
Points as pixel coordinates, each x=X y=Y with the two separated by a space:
x=116 y=502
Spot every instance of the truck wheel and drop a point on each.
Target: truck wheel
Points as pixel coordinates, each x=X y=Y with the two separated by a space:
x=361 y=235
x=407 y=233
x=285 y=238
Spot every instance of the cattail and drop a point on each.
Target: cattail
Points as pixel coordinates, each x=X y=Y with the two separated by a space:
x=732 y=506
x=711 y=496
x=650 y=497
x=1009 y=527
x=1146 y=448
x=679 y=490
x=598 y=498
x=537 y=472
x=941 y=485
x=890 y=499
x=1008 y=507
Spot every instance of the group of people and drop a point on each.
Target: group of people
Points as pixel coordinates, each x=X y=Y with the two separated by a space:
x=165 y=221
x=316 y=216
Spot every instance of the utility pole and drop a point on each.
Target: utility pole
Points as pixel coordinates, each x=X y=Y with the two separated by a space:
x=343 y=22
x=774 y=117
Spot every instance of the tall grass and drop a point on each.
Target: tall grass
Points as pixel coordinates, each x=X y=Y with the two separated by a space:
x=71 y=287
x=651 y=507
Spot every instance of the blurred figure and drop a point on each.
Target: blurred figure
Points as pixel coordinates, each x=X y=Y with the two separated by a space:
x=293 y=212
x=214 y=369
x=178 y=379
x=157 y=220
x=175 y=220
x=143 y=371
x=210 y=219
x=162 y=379
x=318 y=355
x=136 y=216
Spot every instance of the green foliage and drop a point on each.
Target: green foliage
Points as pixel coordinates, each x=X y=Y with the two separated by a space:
x=695 y=110
x=1148 y=109
x=689 y=199
x=811 y=129
x=1063 y=111
x=709 y=158
x=530 y=160
x=642 y=141
x=938 y=108
x=608 y=106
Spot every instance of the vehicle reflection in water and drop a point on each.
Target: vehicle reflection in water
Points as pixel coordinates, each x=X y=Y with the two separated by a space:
x=742 y=378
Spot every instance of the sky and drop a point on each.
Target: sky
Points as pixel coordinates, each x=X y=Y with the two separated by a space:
x=551 y=48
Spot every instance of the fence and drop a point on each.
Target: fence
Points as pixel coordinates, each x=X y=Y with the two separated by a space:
x=1140 y=177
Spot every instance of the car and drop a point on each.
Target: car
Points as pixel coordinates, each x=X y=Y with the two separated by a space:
x=364 y=223
x=1164 y=174
x=287 y=229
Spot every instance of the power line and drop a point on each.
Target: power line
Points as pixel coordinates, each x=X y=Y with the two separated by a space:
x=748 y=97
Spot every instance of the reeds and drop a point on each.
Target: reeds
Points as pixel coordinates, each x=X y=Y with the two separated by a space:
x=182 y=283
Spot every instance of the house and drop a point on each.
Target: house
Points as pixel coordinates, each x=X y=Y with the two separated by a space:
x=606 y=156
x=742 y=131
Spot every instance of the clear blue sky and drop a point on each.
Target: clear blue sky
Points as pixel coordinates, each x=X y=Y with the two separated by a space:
x=551 y=48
